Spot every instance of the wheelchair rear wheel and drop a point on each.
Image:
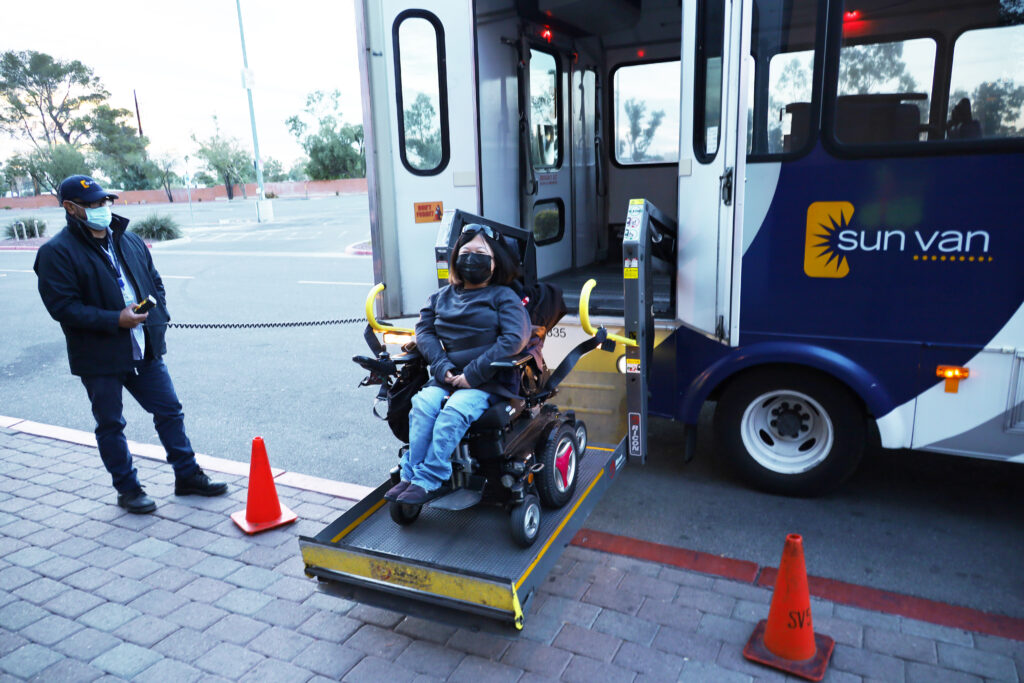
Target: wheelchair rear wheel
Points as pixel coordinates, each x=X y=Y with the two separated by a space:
x=556 y=483
x=403 y=513
x=525 y=521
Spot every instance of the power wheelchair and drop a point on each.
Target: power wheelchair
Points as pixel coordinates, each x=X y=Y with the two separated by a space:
x=521 y=453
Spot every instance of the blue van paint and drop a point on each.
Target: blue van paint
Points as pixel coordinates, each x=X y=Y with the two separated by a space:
x=876 y=329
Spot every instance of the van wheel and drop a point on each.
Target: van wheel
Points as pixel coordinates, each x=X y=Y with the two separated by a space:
x=790 y=431
x=524 y=521
x=556 y=482
x=403 y=513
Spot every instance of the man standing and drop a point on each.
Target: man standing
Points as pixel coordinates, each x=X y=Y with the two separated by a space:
x=91 y=275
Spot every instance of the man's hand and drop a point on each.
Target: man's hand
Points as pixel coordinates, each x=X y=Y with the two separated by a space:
x=458 y=381
x=129 y=319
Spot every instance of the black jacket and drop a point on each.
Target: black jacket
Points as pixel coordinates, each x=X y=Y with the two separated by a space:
x=79 y=288
x=464 y=330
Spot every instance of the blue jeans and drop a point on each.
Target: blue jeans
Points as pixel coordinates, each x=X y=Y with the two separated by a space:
x=151 y=386
x=435 y=428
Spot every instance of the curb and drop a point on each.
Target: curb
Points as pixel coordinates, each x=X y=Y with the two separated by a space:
x=305 y=482
x=359 y=249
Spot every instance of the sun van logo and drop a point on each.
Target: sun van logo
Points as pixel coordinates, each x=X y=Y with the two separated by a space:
x=830 y=240
x=822 y=254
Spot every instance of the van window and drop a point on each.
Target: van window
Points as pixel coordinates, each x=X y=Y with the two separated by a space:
x=646 y=113
x=545 y=136
x=986 y=88
x=420 y=92
x=708 y=102
x=548 y=221
x=886 y=96
x=781 y=95
x=885 y=91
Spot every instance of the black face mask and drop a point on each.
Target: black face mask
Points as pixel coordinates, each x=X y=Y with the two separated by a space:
x=473 y=268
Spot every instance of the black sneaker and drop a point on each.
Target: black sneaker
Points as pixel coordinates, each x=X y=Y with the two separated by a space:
x=199 y=484
x=136 y=502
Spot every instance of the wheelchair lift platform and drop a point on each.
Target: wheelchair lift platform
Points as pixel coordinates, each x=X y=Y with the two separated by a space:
x=465 y=560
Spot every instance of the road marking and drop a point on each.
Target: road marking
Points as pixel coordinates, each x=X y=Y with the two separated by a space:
x=271 y=254
x=13 y=270
x=322 y=282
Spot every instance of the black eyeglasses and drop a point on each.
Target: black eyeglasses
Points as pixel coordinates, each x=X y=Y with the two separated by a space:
x=476 y=227
x=107 y=201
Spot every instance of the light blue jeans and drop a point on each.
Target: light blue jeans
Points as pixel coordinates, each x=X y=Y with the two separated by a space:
x=435 y=428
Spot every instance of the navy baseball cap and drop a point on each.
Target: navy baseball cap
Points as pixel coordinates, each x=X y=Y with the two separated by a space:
x=81 y=188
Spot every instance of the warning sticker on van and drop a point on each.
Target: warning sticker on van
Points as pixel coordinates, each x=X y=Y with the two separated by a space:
x=428 y=212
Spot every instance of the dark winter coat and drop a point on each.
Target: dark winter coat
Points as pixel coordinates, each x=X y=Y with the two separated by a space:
x=464 y=330
x=79 y=288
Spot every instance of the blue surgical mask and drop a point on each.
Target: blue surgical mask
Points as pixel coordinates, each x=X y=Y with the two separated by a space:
x=98 y=219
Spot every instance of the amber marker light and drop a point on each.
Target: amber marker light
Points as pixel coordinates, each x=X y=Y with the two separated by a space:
x=952 y=374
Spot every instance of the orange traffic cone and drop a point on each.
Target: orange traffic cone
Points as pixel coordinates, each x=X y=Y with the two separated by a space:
x=786 y=640
x=262 y=509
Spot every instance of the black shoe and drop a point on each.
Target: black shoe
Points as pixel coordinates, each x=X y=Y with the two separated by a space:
x=200 y=485
x=136 y=502
x=417 y=495
x=395 y=491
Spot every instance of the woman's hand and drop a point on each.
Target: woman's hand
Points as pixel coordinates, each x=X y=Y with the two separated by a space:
x=457 y=381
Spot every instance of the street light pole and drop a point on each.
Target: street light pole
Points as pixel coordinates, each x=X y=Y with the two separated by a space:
x=188 y=189
x=252 y=112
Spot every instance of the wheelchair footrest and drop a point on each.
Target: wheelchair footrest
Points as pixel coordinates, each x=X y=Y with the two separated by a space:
x=461 y=498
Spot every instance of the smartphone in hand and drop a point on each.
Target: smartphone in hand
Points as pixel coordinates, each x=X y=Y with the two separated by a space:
x=145 y=305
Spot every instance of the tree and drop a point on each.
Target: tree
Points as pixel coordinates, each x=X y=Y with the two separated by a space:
x=120 y=151
x=298 y=170
x=422 y=134
x=164 y=174
x=45 y=100
x=48 y=167
x=273 y=171
x=997 y=107
x=226 y=158
x=335 y=149
x=639 y=137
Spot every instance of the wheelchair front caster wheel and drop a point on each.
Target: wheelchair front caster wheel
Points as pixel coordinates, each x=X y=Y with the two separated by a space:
x=403 y=513
x=525 y=521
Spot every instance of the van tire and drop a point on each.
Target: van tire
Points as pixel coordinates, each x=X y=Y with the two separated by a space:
x=790 y=431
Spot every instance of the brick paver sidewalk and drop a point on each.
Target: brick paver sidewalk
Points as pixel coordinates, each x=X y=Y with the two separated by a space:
x=89 y=591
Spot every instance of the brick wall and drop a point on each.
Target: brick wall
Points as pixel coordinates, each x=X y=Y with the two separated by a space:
x=312 y=188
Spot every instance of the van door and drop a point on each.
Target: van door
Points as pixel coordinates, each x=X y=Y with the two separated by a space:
x=712 y=165
x=583 y=99
x=419 y=98
x=546 y=191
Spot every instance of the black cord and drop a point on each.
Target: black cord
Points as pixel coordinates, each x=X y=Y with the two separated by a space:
x=239 y=326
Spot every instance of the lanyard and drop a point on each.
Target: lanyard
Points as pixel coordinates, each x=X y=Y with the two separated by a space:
x=112 y=257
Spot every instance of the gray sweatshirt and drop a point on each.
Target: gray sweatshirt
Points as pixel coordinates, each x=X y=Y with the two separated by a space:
x=462 y=330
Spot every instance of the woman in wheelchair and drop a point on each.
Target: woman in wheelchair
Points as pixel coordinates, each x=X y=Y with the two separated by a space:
x=465 y=325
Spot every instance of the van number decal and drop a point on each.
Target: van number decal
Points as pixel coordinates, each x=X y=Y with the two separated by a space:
x=634 y=434
x=556 y=332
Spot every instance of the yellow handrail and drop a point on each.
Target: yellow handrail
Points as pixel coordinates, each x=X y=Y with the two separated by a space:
x=585 y=315
x=372 y=319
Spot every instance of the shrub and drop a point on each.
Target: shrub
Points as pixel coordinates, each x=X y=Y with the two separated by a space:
x=30 y=227
x=156 y=227
x=271 y=195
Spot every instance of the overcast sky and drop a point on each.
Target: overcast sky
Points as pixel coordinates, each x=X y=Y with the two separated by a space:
x=184 y=59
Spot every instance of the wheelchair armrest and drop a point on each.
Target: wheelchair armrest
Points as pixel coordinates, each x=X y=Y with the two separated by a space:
x=403 y=358
x=513 y=362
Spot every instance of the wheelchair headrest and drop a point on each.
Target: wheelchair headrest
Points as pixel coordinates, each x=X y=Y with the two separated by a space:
x=519 y=242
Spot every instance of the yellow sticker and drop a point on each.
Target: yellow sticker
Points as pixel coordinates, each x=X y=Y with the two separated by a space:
x=630 y=273
x=442 y=273
x=428 y=212
x=637 y=201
